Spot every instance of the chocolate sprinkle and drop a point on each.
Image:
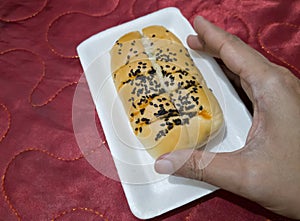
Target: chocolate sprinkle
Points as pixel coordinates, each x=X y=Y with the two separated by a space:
x=178 y=106
x=177 y=121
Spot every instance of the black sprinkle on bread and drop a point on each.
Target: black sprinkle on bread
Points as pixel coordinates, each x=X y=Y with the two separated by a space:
x=168 y=103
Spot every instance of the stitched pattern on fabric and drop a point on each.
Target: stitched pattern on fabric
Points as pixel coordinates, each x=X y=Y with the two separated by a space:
x=88 y=210
x=8 y=120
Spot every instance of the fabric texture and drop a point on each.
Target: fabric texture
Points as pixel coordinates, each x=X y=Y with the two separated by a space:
x=45 y=175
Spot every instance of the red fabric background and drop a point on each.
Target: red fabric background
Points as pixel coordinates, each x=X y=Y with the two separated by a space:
x=44 y=174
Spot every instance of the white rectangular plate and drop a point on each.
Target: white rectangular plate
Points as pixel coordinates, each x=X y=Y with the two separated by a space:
x=148 y=193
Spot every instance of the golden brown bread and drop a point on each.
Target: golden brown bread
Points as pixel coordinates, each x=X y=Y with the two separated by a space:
x=168 y=103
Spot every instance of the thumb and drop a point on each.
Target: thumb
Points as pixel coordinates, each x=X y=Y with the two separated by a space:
x=224 y=170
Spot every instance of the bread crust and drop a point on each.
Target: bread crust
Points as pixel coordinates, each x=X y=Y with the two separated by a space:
x=165 y=96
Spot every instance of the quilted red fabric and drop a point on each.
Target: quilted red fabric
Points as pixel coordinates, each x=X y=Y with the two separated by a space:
x=45 y=175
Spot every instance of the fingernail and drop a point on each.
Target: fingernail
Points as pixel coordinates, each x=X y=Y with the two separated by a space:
x=164 y=166
x=198 y=18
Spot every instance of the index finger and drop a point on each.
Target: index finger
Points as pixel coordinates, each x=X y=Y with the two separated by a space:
x=240 y=58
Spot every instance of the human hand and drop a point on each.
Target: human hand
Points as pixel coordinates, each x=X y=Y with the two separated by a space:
x=267 y=169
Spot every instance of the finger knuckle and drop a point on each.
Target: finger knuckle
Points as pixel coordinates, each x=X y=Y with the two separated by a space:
x=278 y=76
x=283 y=70
x=195 y=167
x=232 y=39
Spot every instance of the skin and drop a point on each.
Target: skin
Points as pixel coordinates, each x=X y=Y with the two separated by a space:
x=267 y=168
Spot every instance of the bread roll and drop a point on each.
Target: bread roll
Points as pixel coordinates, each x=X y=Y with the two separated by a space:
x=168 y=103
